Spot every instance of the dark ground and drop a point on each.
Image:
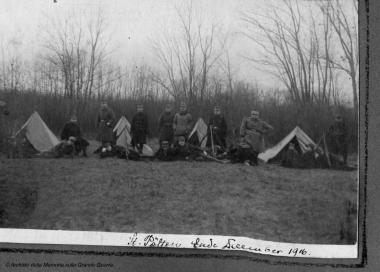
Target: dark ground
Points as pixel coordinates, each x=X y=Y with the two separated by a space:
x=264 y=202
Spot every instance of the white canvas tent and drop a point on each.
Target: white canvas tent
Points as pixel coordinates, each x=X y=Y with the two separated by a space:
x=303 y=140
x=199 y=133
x=124 y=138
x=122 y=130
x=38 y=133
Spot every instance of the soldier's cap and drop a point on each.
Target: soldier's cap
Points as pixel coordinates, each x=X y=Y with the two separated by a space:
x=140 y=106
x=253 y=112
x=183 y=104
x=216 y=107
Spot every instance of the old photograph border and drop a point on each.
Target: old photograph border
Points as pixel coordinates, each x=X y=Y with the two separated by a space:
x=365 y=32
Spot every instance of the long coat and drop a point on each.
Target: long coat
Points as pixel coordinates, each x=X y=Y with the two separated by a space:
x=182 y=124
x=337 y=139
x=165 y=127
x=139 y=128
x=105 y=124
x=219 y=130
x=251 y=133
x=71 y=129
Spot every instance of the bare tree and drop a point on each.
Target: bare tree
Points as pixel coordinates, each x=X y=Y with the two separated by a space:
x=12 y=73
x=343 y=16
x=77 y=49
x=188 y=57
x=294 y=48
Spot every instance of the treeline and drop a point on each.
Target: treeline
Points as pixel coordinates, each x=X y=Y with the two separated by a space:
x=74 y=71
x=280 y=112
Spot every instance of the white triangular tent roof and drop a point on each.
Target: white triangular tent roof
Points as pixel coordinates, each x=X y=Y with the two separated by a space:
x=200 y=128
x=122 y=130
x=303 y=140
x=38 y=133
x=147 y=151
x=124 y=138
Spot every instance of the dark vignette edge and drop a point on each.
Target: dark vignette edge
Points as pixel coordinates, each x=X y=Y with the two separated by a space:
x=217 y=255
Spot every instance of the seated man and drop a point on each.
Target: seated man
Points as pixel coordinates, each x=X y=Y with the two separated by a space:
x=72 y=135
x=165 y=152
x=65 y=147
x=311 y=158
x=242 y=153
x=182 y=150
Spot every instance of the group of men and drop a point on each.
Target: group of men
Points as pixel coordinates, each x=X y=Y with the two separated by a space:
x=174 y=130
x=331 y=151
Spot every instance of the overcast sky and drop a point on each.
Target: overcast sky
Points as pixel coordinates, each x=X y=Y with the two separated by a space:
x=133 y=23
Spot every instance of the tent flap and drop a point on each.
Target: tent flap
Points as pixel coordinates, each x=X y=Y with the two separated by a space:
x=302 y=138
x=200 y=129
x=38 y=133
x=122 y=130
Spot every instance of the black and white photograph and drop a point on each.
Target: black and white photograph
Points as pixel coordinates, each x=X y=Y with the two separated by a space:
x=190 y=124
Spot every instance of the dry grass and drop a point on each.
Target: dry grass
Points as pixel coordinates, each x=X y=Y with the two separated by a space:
x=265 y=202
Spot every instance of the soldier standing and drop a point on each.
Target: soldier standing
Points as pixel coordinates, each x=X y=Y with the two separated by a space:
x=337 y=138
x=165 y=126
x=182 y=122
x=105 y=123
x=139 y=128
x=252 y=130
x=217 y=126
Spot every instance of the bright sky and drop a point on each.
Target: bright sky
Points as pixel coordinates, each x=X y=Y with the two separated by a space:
x=132 y=24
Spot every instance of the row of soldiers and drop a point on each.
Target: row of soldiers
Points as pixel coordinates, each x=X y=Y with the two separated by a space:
x=174 y=131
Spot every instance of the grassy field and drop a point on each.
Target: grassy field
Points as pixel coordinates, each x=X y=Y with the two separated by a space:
x=264 y=202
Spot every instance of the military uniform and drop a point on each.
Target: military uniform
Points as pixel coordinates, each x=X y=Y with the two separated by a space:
x=139 y=130
x=165 y=127
x=251 y=133
x=337 y=139
x=105 y=123
x=72 y=129
x=182 y=124
x=241 y=153
x=218 y=126
x=185 y=152
x=165 y=153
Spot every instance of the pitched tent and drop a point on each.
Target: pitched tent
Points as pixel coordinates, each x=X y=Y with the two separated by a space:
x=302 y=141
x=122 y=130
x=124 y=138
x=147 y=151
x=198 y=135
x=38 y=133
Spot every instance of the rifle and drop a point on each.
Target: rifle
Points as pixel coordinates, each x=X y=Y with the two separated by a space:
x=212 y=141
x=205 y=155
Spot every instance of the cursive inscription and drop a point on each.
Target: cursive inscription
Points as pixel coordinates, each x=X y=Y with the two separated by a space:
x=199 y=244
x=156 y=241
